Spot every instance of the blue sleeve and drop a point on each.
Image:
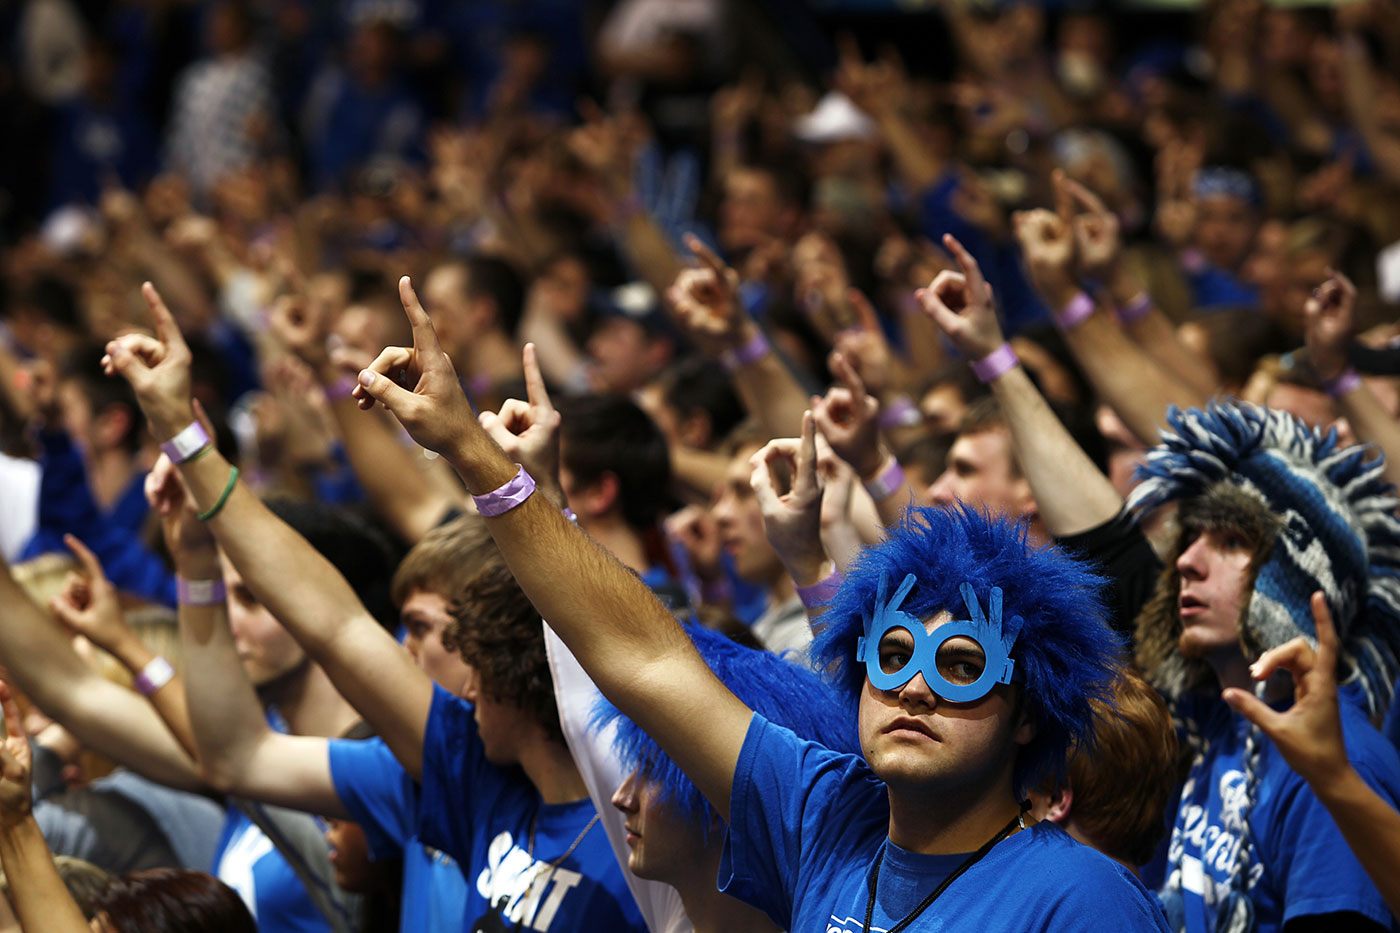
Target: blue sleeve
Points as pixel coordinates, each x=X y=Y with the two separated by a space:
x=66 y=504
x=456 y=776
x=1317 y=870
x=378 y=792
x=794 y=805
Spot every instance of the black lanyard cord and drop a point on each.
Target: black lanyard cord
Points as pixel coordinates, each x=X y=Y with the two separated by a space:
x=971 y=860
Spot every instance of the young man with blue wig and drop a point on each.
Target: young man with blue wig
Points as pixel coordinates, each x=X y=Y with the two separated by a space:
x=926 y=828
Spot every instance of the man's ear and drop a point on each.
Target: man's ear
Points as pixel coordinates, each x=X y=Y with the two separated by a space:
x=695 y=429
x=598 y=497
x=1060 y=803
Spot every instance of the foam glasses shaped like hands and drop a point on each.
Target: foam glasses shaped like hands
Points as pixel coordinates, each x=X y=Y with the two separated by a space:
x=896 y=646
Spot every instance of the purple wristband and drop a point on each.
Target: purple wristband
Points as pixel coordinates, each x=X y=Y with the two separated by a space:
x=200 y=592
x=1348 y=382
x=1137 y=309
x=820 y=593
x=341 y=388
x=887 y=482
x=156 y=674
x=1075 y=311
x=753 y=351
x=190 y=441
x=899 y=413
x=506 y=497
x=995 y=363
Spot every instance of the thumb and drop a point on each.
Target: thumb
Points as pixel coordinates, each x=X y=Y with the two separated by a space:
x=385 y=391
x=1254 y=709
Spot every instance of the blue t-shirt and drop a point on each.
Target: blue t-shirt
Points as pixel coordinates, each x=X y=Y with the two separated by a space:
x=1301 y=866
x=248 y=862
x=384 y=801
x=806 y=824
x=487 y=816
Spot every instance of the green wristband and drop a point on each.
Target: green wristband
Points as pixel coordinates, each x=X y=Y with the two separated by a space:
x=217 y=507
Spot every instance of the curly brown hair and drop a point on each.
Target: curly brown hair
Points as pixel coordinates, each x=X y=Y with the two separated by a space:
x=496 y=630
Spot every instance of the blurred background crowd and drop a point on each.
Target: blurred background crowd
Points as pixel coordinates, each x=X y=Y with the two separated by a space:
x=544 y=170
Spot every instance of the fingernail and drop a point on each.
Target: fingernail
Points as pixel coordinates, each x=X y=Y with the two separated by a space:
x=366 y=378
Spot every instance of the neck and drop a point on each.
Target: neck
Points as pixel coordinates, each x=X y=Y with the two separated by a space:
x=619 y=539
x=709 y=910
x=109 y=474
x=1232 y=670
x=947 y=822
x=494 y=354
x=309 y=703
x=550 y=767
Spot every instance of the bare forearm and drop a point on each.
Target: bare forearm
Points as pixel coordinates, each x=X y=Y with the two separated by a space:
x=697 y=472
x=1126 y=377
x=1071 y=494
x=772 y=394
x=40 y=898
x=389 y=472
x=308 y=596
x=1370 y=826
x=650 y=251
x=104 y=716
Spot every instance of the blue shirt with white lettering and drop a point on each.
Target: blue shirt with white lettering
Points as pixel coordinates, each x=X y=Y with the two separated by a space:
x=385 y=802
x=806 y=824
x=1299 y=865
x=528 y=865
x=248 y=862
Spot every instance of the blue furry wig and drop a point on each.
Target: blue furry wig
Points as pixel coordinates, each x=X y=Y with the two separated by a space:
x=784 y=693
x=1066 y=650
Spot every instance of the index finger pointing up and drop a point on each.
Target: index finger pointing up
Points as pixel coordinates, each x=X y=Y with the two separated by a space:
x=535 y=389
x=705 y=254
x=166 y=328
x=970 y=270
x=424 y=336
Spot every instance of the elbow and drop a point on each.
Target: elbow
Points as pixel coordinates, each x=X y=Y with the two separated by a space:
x=220 y=776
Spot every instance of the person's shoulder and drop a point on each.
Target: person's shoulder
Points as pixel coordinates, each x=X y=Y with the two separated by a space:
x=1071 y=882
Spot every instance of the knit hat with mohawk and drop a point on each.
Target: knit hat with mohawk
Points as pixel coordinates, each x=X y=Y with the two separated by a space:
x=1333 y=528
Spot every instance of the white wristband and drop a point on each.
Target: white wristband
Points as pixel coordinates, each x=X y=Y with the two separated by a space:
x=156 y=674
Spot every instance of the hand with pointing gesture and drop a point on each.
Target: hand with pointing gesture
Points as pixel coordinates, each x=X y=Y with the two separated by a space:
x=158 y=369
x=706 y=300
x=1309 y=733
x=529 y=431
x=962 y=305
x=1330 y=315
x=792 y=519
x=847 y=417
x=433 y=410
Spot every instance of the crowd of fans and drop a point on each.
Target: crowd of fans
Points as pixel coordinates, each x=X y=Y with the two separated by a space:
x=699 y=465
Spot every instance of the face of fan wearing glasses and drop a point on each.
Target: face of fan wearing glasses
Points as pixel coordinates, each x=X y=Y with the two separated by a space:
x=916 y=741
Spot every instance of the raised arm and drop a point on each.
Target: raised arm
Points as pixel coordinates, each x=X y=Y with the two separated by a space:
x=40 y=898
x=104 y=716
x=88 y=605
x=238 y=752
x=1098 y=247
x=706 y=300
x=1121 y=372
x=299 y=586
x=848 y=418
x=1330 y=316
x=628 y=642
x=1309 y=736
x=792 y=518
x=391 y=474
x=1071 y=494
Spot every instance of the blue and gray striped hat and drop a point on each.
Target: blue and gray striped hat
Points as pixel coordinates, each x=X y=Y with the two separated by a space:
x=1338 y=530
